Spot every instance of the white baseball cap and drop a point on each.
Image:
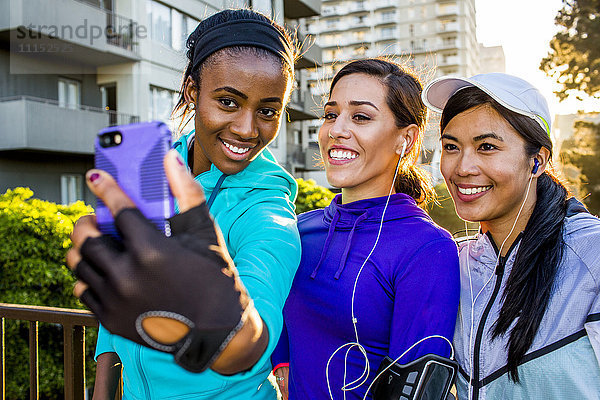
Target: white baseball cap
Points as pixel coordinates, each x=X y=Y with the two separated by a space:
x=511 y=92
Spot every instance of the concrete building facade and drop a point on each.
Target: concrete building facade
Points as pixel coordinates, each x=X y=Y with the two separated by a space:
x=69 y=68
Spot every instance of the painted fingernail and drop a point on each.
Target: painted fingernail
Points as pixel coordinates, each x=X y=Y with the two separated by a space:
x=94 y=177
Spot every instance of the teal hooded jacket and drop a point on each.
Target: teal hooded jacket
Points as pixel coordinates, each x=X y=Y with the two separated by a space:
x=255 y=211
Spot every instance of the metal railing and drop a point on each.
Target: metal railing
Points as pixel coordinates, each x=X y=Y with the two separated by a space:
x=120 y=31
x=114 y=117
x=73 y=323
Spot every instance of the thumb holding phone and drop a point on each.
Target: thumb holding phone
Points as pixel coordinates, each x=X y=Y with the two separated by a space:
x=177 y=294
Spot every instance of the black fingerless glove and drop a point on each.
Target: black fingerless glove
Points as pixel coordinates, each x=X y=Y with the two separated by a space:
x=188 y=277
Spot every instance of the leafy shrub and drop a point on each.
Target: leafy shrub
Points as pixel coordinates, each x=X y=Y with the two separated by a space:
x=311 y=196
x=35 y=238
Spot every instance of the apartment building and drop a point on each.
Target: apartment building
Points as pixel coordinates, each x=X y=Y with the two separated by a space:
x=436 y=37
x=69 y=68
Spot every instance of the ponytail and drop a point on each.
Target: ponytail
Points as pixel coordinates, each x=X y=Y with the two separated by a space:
x=529 y=286
x=415 y=182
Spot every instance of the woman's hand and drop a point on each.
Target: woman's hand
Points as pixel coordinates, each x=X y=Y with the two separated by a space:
x=178 y=294
x=282 y=375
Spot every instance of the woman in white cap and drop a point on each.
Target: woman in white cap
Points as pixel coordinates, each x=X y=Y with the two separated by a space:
x=529 y=319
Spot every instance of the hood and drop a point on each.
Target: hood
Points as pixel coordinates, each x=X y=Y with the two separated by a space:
x=262 y=173
x=370 y=210
x=348 y=217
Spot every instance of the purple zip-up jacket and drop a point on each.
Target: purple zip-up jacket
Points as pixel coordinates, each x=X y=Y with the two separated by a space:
x=408 y=289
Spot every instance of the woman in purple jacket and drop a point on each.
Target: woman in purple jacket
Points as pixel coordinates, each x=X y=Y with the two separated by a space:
x=377 y=274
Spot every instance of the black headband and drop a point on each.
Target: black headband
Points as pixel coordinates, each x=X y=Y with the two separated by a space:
x=244 y=32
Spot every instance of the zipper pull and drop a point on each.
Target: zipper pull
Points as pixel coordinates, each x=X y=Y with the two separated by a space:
x=500 y=266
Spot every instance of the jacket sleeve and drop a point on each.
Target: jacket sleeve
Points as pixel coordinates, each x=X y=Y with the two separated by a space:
x=592 y=327
x=426 y=301
x=267 y=254
x=104 y=343
x=281 y=353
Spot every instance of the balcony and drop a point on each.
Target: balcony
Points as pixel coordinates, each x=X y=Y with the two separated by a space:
x=294 y=9
x=311 y=53
x=444 y=9
x=385 y=20
x=386 y=35
x=302 y=106
x=358 y=7
x=40 y=124
x=447 y=61
x=70 y=32
x=385 y=4
x=447 y=27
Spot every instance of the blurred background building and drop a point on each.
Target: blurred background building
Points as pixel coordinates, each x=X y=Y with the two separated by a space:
x=71 y=67
x=435 y=37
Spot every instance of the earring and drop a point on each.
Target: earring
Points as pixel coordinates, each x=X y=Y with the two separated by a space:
x=192 y=106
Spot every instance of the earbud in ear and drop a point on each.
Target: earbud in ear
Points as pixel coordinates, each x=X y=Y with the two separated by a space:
x=536 y=166
x=403 y=149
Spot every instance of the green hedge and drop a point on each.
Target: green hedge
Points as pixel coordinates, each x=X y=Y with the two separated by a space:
x=311 y=196
x=35 y=238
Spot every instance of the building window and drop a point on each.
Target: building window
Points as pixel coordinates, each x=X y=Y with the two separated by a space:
x=69 y=93
x=449 y=41
x=331 y=23
x=313 y=133
x=162 y=103
x=388 y=16
x=169 y=26
x=411 y=30
x=388 y=33
x=360 y=19
x=71 y=188
x=358 y=36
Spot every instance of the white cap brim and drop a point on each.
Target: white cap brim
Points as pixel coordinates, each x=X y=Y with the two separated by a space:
x=511 y=92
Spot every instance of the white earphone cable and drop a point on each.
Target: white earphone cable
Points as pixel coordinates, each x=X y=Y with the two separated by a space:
x=473 y=301
x=367 y=369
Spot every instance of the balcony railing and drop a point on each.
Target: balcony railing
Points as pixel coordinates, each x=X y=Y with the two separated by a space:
x=120 y=31
x=73 y=323
x=114 y=117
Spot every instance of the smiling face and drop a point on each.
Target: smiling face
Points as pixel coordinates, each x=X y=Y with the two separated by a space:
x=239 y=105
x=486 y=168
x=362 y=155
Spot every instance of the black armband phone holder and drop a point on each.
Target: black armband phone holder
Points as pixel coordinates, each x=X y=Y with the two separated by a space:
x=429 y=377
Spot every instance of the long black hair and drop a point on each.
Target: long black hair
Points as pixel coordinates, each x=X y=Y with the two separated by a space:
x=531 y=281
x=404 y=100
x=215 y=20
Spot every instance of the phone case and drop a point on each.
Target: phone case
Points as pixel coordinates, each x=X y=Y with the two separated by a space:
x=429 y=377
x=136 y=163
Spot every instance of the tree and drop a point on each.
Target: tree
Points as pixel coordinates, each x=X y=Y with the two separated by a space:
x=311 y=196
x=574 y=57
x=580 y=154
x=35 y=238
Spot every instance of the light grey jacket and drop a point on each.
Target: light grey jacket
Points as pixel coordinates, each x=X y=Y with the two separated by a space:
x=564 y=359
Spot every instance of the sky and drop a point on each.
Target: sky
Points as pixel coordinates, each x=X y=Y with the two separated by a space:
x=524 y=29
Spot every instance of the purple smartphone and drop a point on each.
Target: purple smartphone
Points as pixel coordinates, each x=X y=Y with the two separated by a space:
x=133 y=154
